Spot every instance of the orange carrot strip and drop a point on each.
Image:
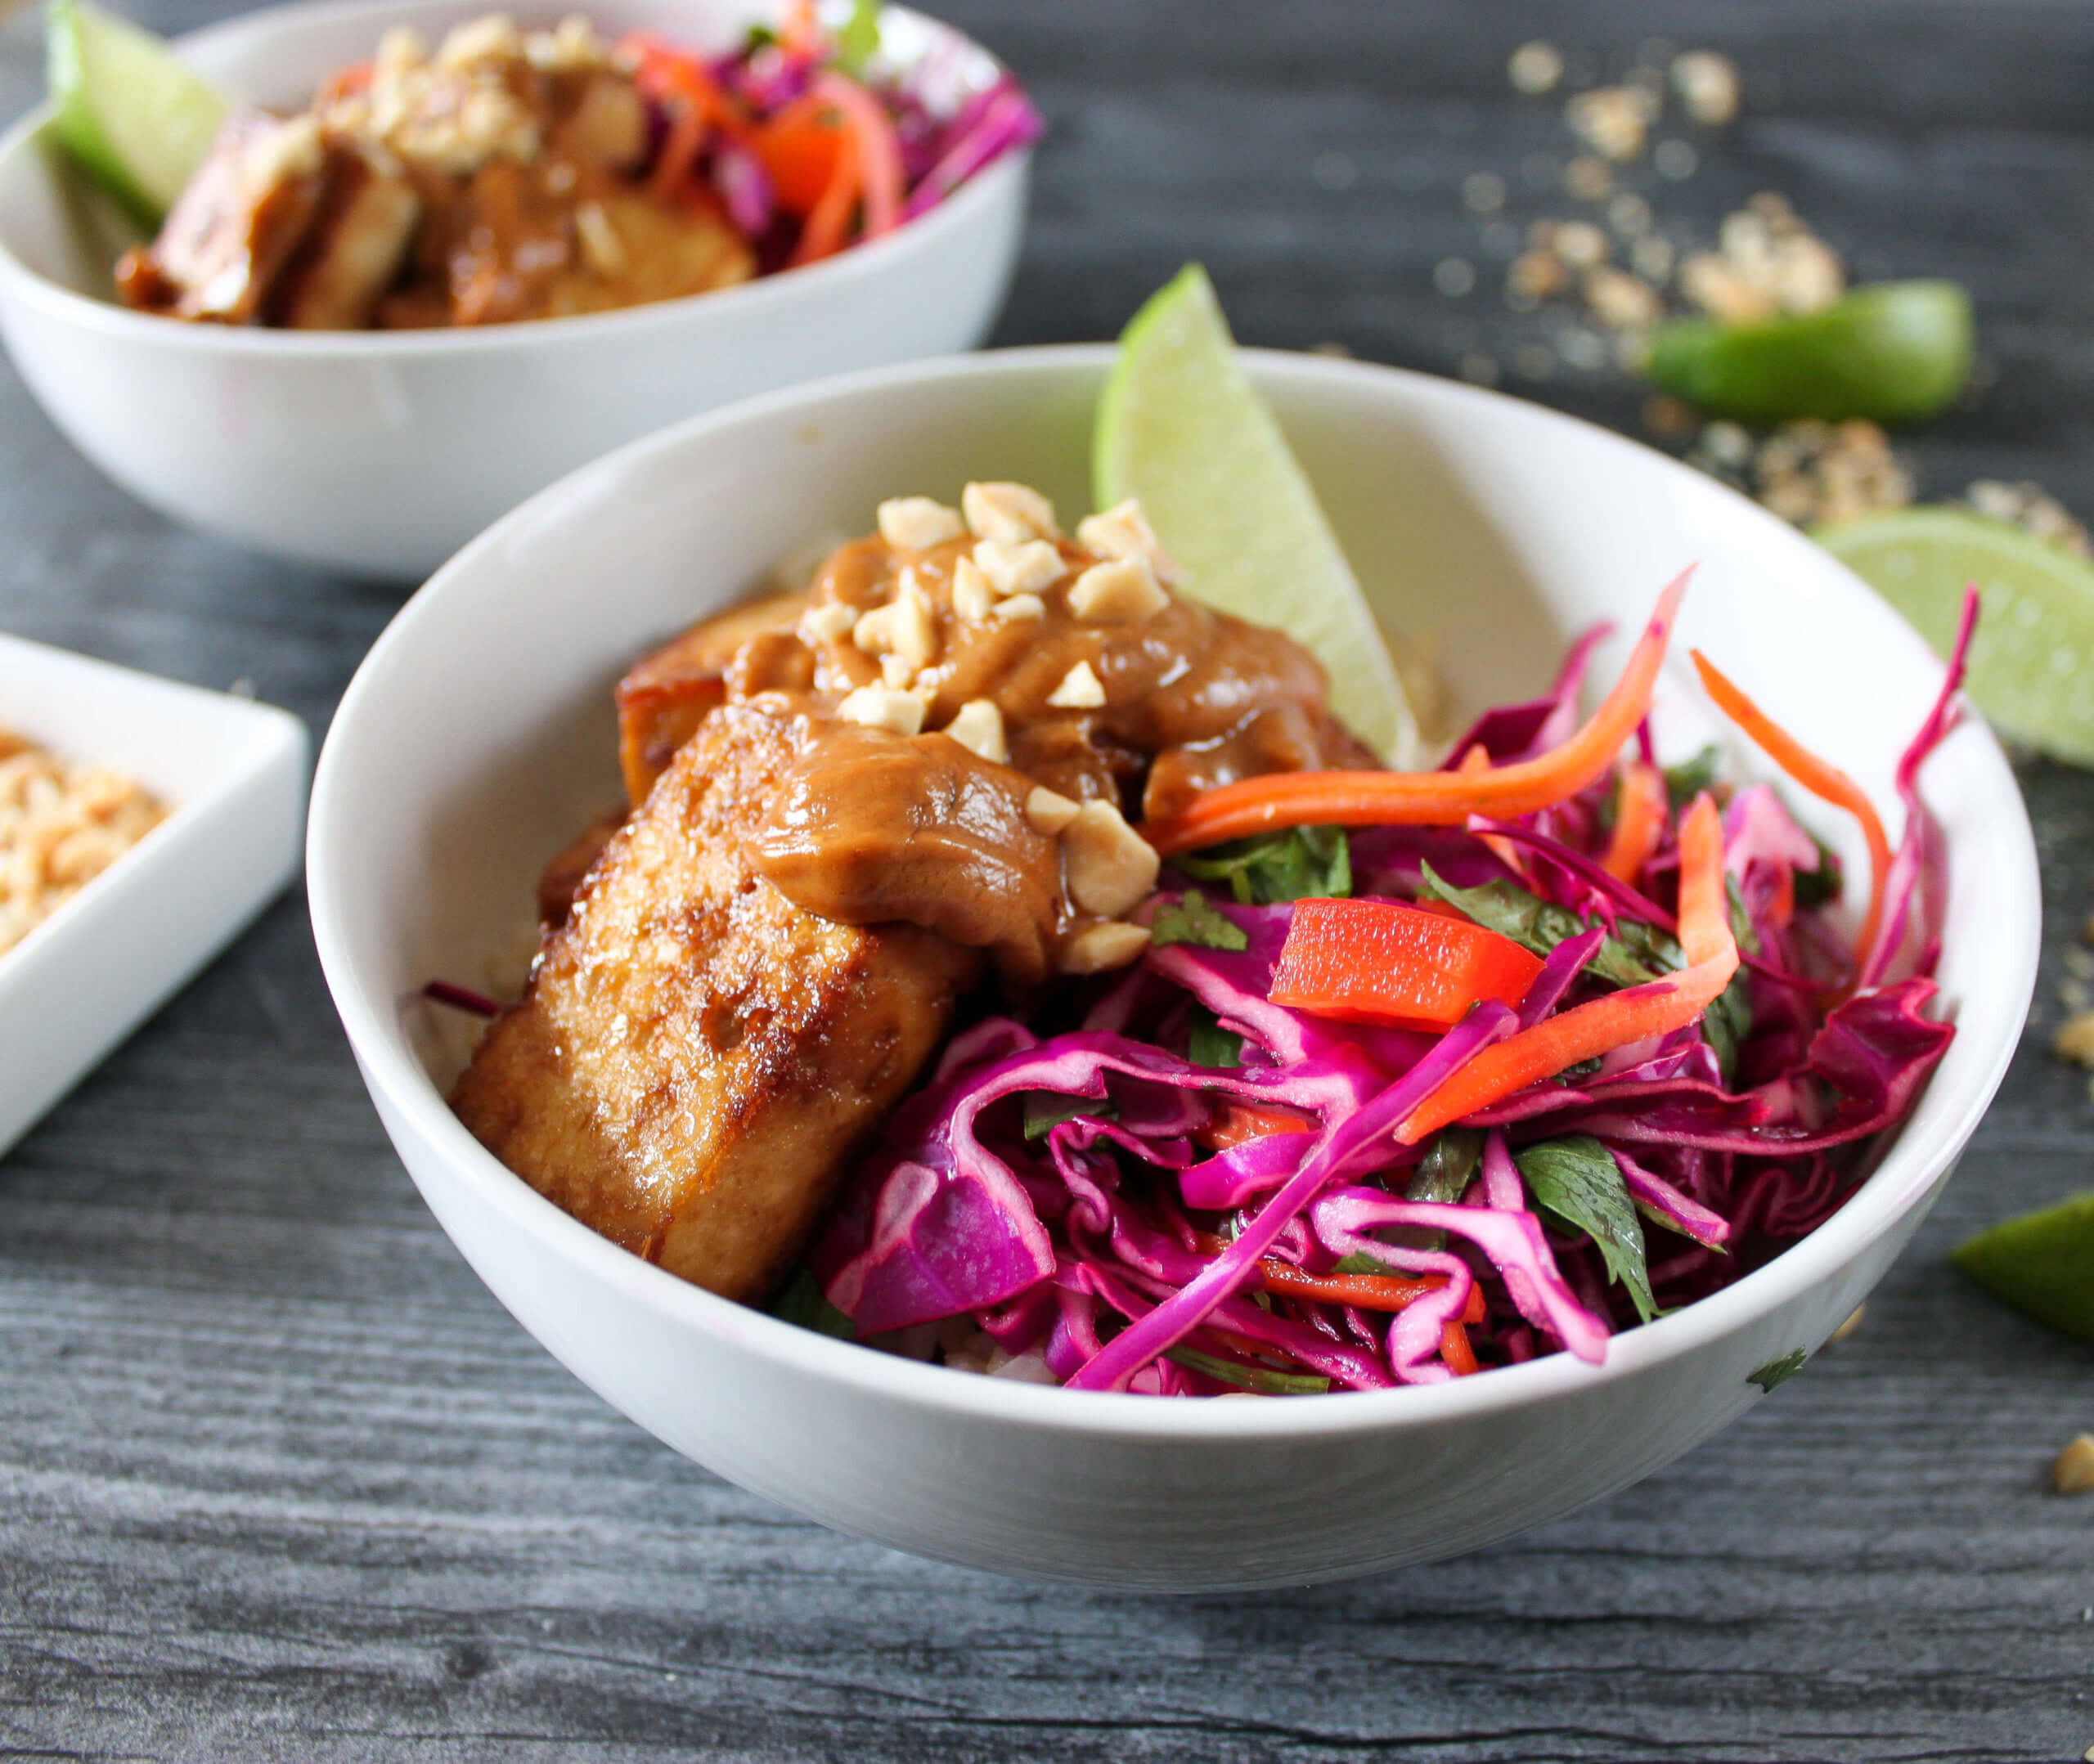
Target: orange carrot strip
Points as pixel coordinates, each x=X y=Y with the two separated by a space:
x=879 y=149
x=1369 y=1292
x=1815 y=775
x=1456 y=1350
x=1235 y=1121
x=800 y=30
x=1588 y=1030
x=798 y=147
x=1639 y=822
x=823 y=235
x=1431 y=799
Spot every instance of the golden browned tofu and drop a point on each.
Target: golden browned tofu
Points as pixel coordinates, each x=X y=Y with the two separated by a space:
x=235 y=224
x=355 y=248
x=667 y=693
x=696 y=1058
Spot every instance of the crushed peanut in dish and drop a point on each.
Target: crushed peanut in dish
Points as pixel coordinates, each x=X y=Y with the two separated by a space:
x=61 y=825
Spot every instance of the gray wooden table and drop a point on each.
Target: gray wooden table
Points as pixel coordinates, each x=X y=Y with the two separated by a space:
x=278 y=1478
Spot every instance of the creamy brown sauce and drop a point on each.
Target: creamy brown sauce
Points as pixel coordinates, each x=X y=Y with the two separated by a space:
x=874 y=826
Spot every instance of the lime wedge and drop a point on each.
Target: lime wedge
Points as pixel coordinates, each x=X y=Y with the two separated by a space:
x=134 y=116
x=2032 y=662
x=2041 y=1263
x=1180 y=427
x=1895 y=352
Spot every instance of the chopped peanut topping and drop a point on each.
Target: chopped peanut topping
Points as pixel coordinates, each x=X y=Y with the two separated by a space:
x=1124 y=532
x=916 y=524
x=1049 y=810
x=972 y=598
x=1122 y=592
x=601 y=248
x=1021 y=606
x=1080 y=689
x=979 y=727
x=901 y=713
x=2074 y=1472
x=1108 y=867
x=896 y=672
x=1707 y=85
x=902 y=627
x=60 y=826
x=1024 y=568
x=1099 y=949
x=1009 y=514
x=829 y=622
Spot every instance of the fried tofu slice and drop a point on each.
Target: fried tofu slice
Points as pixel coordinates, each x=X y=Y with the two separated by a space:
x=235 y=225
x=354 y=249
x=696 y=1059
x=666 y=693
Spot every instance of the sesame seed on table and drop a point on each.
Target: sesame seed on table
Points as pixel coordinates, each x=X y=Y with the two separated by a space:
x=279 y=1478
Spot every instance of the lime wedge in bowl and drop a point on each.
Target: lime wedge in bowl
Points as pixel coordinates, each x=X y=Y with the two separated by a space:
x=2041 y=1263
x=1180 y=426
x=1894 y=352
x=2032 y=662
x=128 y=111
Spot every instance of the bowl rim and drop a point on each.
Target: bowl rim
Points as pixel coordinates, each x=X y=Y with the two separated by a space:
x=1902 y=1180
x=1004 y=179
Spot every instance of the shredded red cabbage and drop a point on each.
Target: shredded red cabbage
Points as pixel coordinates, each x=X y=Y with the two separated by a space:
x=1112 y=1213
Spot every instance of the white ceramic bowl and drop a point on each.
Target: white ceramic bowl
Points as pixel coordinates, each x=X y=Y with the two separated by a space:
x=479 y=734
x=381 y=453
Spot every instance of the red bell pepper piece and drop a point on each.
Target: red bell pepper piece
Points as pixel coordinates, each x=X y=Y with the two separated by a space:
x=1375 y=962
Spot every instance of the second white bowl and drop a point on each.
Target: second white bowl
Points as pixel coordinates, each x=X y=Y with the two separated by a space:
x=382 y=453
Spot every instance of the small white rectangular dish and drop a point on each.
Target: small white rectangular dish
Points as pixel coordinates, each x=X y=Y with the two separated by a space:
x=231 y=776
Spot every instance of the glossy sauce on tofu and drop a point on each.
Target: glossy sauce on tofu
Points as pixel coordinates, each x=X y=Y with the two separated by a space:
x=978 y=722
x=498 y=178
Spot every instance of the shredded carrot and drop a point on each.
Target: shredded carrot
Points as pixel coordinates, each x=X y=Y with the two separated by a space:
x=879 y=149
x=800 y=28
x=1367 y=1292
x=1431 y=799
x=798 y=147
x=1235 y=1121
x=1815 y=775
x=823 y=235
x=1587 y=1031
x=1477 y=760
x=1456 y=1350
x=1639 y=822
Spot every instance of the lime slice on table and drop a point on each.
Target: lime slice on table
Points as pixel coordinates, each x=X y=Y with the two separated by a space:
x=2041 y=1263
x=2032 y=661
x=1179 y=426
x=131 y=113
x=1895 y=352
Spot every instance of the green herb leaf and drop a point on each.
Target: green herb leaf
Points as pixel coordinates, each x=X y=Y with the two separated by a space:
x=1687 y=780
x=1251 y=1377
x=1449 y=1166
x=1190 y=919
x=1046 y=1110
x=859 y=41
x=758 y=37
x=1635 y=953
x=1302 y=863
x=1208 y=1044
x=1576 y=1180
x=1815 y=887
x=1778 y=1372
x=802 y=1302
